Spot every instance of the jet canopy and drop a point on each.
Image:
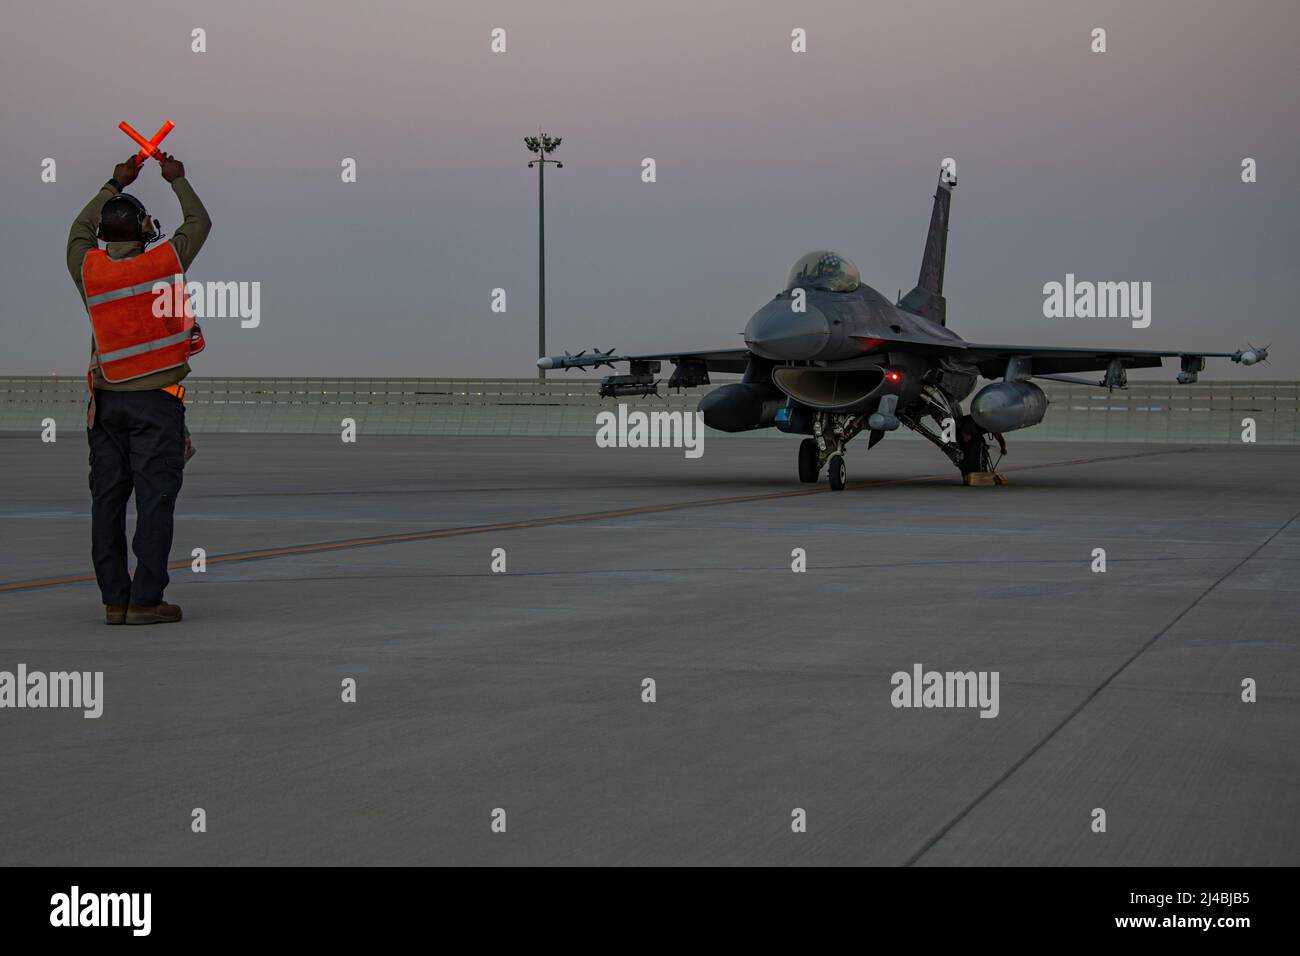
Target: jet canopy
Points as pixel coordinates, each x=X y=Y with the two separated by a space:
x=825 y=270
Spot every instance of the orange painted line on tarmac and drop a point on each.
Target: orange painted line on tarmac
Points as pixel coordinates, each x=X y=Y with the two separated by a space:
x=400 y=537
x=44 y=583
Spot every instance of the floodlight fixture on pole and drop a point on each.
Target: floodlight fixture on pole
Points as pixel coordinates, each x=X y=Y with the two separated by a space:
x=543 y=145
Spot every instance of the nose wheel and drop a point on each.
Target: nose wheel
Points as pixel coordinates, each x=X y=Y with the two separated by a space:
x=831 y=432
x=838 y=472
x=810 y=467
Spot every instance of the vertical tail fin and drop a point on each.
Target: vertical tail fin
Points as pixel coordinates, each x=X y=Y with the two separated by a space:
x=926 y=300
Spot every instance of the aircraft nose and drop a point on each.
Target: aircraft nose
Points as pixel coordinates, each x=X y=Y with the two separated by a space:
x=778 y=332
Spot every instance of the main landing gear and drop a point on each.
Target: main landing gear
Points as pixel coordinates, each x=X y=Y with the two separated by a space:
x=968 y=449
x=966 y=444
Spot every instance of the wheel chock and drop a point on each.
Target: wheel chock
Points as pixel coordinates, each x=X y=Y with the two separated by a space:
x=983 y=479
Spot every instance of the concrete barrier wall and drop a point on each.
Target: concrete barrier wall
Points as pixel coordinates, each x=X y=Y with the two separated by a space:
x=1146 y=412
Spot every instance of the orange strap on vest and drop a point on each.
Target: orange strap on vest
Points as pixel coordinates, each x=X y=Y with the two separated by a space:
x=139 y=312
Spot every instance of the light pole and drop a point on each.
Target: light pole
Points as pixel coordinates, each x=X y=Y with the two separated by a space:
x=543 y=146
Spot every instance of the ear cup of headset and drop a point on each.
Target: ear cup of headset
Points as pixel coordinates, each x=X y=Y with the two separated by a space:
x=146 y=230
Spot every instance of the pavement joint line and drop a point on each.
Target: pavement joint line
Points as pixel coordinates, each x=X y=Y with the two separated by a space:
x=1092 y=695
x=343 y=544
x=704 y=569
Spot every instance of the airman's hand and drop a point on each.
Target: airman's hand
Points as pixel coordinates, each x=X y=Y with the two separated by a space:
x=125 y=173
x=172 y=168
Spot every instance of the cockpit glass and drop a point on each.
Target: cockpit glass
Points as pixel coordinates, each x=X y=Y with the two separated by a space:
x=825 y=270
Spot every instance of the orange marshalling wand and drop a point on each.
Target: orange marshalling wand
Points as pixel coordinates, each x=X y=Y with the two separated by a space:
x=148 y=147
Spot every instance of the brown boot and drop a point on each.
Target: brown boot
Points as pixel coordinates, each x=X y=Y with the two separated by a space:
x=114 y=613
x=153 y=614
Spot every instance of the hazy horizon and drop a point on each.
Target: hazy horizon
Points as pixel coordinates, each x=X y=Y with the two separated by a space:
x=1116 y=166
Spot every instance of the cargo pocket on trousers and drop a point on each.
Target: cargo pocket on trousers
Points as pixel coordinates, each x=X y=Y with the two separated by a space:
x=175 y=474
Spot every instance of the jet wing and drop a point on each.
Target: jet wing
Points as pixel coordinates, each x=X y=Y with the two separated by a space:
x=1041 y=361
x=690 y=368
x=718 y=360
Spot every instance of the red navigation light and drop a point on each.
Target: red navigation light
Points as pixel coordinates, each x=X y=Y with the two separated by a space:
x=893 y=376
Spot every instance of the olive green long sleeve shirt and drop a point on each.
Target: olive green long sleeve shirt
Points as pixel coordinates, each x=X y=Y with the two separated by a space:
x=187 y=239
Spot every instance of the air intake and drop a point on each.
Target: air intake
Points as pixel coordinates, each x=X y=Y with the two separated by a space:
x=828 y=389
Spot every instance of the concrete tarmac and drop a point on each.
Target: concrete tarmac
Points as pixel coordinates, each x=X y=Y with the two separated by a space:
x=522 y=690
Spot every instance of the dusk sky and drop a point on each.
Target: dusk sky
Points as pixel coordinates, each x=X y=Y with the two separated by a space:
x=1124 y=165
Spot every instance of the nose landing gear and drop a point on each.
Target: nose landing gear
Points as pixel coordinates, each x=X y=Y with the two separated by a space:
x=838 y=472
x=810 y=463
x=831 y=433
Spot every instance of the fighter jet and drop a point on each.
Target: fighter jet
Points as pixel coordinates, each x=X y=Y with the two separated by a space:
x=830 y=357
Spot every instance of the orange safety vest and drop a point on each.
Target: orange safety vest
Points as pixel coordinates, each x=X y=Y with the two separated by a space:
x=131 y=341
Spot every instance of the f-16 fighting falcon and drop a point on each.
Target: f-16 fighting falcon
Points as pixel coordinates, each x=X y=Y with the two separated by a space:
x=830 y=357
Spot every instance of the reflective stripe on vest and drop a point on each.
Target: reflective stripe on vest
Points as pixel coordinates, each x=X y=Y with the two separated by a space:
x=141 y=289
x=142 y=348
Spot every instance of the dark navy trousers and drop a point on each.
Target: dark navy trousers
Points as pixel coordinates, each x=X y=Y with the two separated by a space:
x=137 y=445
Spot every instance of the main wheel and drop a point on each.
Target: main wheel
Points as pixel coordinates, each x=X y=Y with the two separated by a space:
x=838 y=472
x=974 y=452
x=808 y=470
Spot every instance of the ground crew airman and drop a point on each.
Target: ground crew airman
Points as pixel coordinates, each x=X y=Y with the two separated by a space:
x=136 y=418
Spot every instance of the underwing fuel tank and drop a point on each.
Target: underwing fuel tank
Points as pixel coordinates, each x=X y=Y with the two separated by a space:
x=742 y=406
x=1007 y=406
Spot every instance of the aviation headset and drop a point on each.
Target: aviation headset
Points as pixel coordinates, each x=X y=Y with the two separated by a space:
x=146 y=230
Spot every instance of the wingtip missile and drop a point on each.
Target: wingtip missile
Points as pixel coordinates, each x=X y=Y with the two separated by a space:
x=595 y=359
x=1252 y=355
